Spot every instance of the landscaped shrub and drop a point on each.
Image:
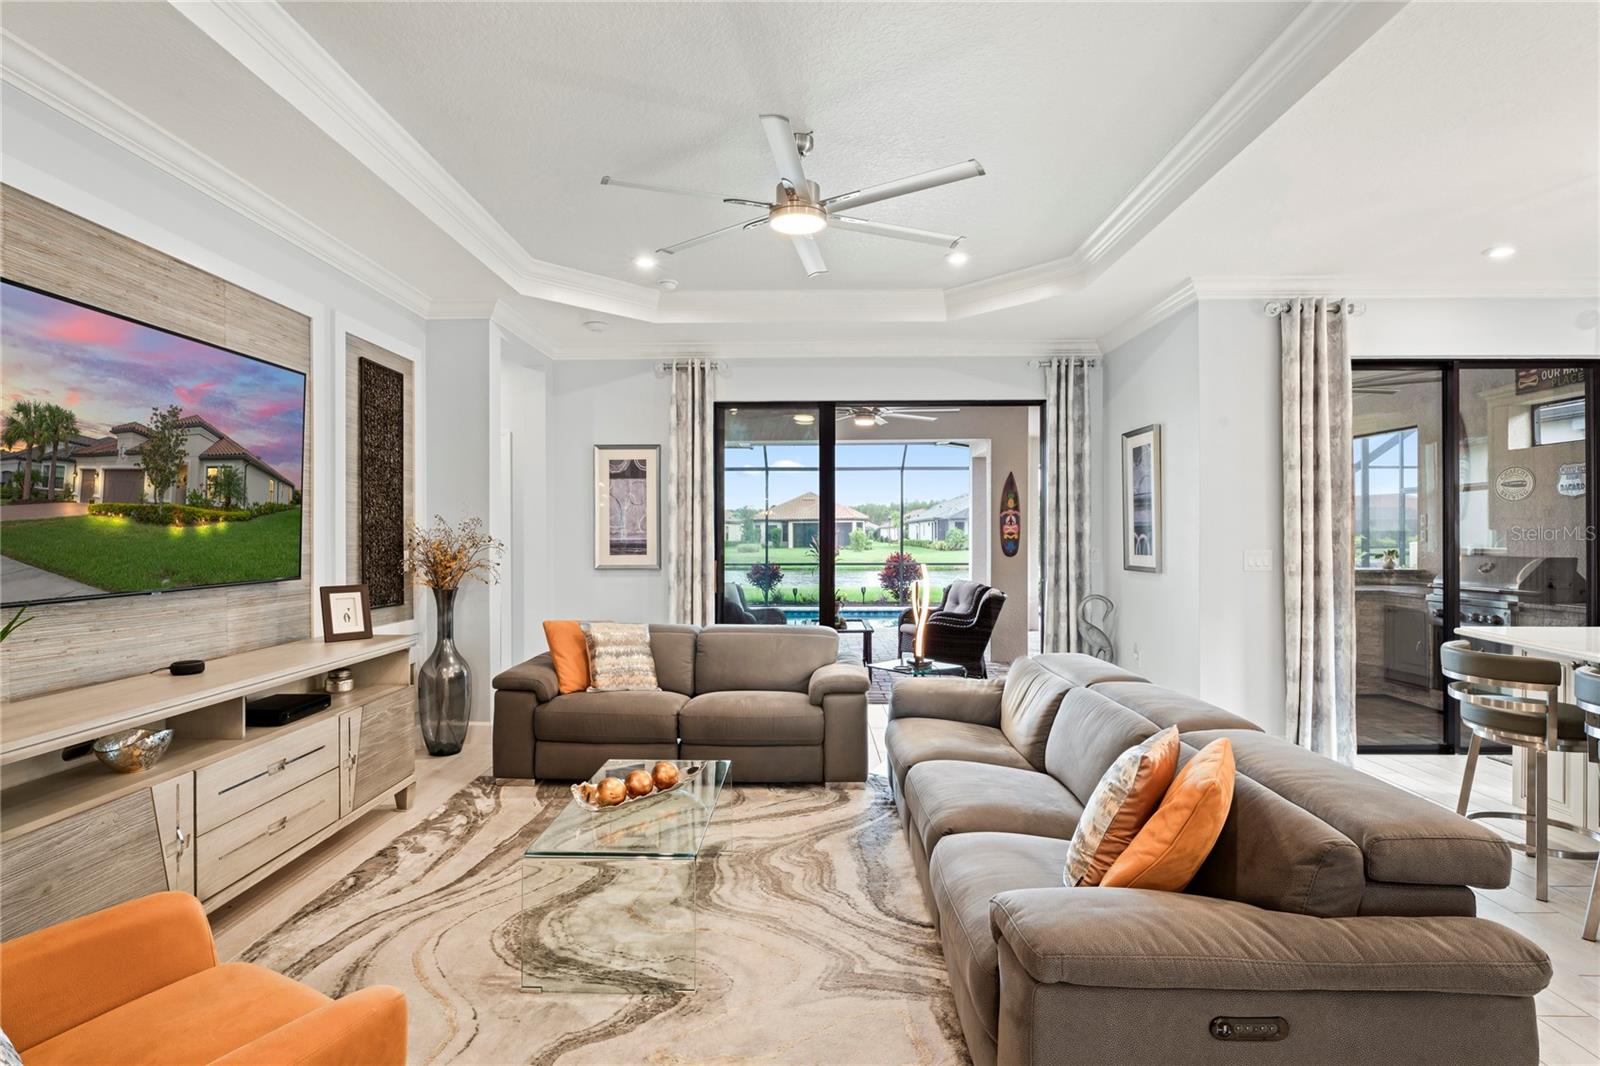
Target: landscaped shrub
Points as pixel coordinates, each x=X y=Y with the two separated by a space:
x=955 y=540
x=859 y=541
x=765 y=576
x=270 y=508
x=198 y=498
x=898 y=574
x=168 y=514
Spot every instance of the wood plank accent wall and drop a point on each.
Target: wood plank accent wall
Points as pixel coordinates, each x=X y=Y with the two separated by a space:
x=356 y=349
x=77 y=644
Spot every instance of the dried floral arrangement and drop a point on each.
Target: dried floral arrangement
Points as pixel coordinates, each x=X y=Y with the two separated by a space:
x=442 y=556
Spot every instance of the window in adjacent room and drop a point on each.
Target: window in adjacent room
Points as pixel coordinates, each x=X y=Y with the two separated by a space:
x=1386 y=496
x=1558 y=422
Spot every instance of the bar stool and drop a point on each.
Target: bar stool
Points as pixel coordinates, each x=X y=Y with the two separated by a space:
x=1511 y=699
x=1586 y=691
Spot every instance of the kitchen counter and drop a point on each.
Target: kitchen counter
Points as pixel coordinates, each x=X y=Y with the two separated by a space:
x=1569 y=643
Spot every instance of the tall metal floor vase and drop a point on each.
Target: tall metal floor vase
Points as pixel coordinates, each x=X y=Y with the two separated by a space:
x=440 y=558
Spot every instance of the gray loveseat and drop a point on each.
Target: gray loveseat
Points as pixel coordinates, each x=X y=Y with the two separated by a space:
x=774 y=699
x=1333 y=906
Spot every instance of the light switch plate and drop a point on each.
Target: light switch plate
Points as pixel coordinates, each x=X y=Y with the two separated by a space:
x=1258 y=560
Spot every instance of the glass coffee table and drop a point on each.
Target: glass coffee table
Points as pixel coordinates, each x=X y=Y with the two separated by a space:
x=608 y=897
x=906 y=667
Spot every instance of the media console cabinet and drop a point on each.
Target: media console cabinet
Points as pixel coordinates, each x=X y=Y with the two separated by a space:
x=227 y=806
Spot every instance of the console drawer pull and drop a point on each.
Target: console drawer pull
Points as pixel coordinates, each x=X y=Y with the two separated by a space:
x=278 y=826
x=275 y=768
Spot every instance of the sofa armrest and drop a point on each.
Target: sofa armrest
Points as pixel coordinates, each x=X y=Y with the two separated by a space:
x=58 y=978
x=365 y=1028
x=537 y=675
x=955 y=699
x=837 y=679
x=1136 y=938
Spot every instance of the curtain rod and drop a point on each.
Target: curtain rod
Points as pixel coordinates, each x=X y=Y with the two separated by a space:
x=666 y=366
x=1274 y=308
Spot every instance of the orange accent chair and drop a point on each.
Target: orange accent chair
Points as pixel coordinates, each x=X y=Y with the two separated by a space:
x=138 y=984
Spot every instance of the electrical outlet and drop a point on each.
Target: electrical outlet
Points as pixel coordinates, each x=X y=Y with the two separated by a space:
x=1258 y=560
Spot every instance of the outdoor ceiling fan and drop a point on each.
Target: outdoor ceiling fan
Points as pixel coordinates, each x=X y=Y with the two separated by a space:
x=799 y=211
x=865 y=415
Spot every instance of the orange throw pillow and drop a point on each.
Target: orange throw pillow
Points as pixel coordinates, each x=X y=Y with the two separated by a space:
x=570 y=651
x=1174 y=843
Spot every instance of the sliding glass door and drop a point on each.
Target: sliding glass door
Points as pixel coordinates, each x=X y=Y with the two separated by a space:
x=1471 y=507
x=770 y=511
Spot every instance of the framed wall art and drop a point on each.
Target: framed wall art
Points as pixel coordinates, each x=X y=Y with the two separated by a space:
x=1141 y=499
x=627 y=507
x=346 y=612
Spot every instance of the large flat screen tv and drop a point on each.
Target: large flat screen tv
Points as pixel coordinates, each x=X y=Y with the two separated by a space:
x=138 y=460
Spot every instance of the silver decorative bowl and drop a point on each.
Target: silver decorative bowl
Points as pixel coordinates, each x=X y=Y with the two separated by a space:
x=133 y=750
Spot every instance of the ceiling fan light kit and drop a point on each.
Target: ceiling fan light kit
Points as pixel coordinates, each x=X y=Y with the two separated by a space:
x=799 y=211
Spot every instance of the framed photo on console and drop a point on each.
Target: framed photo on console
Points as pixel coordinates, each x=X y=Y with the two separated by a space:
x=1141 y=499
x=346 y=612
x=627 y=507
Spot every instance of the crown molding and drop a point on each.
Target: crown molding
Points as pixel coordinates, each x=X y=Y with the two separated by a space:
x=890 y=348
x=278 y=50
x=1160 y=311
x=511 y=319
x=1266 y=287
x=1318 y=39
x=40 y=77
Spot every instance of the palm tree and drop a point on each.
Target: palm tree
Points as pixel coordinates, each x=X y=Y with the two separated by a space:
x=25 y=426
x=228 y=485
x=60 y=426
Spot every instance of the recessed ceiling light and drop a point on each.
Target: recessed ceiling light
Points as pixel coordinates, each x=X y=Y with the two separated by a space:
x=801 y=418
x=595 y=325
x=644 y=261
x=667 y=284
x=1500 y=251
x=956 y=257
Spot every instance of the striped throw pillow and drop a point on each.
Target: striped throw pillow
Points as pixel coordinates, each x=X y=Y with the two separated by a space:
x=620 y=659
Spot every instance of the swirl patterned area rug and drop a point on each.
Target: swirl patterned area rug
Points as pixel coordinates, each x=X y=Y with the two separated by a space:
x=814 y=942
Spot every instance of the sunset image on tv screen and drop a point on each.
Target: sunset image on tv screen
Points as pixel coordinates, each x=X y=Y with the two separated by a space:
x=137 y=460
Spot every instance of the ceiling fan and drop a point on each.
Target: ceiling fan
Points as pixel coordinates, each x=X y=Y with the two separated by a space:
x=866 y=415
x=799 y=211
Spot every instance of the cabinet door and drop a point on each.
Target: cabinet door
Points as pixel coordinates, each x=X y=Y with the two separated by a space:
x=174 y=802
x=81 y=864
x=386 y=754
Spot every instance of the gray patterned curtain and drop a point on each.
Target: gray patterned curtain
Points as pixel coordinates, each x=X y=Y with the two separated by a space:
x=1067 y=436
x=1318 y=552
x=691 y=523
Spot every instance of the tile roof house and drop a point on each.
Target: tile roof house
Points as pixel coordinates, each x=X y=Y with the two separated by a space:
x=794 y=523
x=110 y=472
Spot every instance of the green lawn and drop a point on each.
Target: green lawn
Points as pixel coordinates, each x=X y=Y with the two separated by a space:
x=751 y=553
x=120 y=555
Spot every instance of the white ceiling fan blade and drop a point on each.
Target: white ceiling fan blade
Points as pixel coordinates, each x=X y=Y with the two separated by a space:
x=697 y=194
x=810 y=256
x=925 y=410
x=674 y=249
x=914 y=418
x=916 y=183
x=785 y=153
x=902 y=233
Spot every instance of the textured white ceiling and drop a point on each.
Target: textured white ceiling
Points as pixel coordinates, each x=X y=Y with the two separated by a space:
x=1454 y=127
x=1066 y=105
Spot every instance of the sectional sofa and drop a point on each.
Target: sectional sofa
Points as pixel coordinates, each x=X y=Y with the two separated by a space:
x=1332 y=923
x=774 y=699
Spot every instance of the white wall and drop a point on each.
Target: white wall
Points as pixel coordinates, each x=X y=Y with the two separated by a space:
x=1154 y=379
x=1210 y=376
x=462 y=462
x=524 y=430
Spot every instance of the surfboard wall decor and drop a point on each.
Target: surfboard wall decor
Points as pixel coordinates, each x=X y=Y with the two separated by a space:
x=1010 y=517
